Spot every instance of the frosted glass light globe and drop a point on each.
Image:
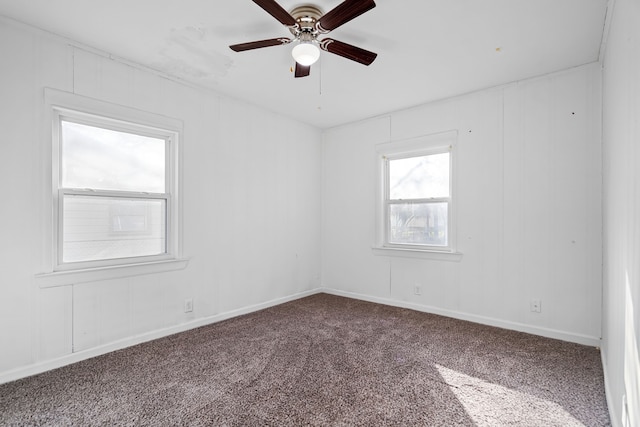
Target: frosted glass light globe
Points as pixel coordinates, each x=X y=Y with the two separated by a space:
x=305 y=53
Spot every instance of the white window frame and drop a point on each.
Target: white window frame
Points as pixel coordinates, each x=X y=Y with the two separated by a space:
x=65 y=106
x=415 y=147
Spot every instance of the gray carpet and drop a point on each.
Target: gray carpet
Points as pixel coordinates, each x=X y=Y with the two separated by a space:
x=324 y=360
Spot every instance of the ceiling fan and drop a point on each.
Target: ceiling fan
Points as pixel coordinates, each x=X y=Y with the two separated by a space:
x=306 y=23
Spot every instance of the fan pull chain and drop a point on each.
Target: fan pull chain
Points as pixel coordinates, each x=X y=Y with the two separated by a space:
x=320 y=78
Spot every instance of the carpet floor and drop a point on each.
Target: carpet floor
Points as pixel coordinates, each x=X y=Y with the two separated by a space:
x=323 y=361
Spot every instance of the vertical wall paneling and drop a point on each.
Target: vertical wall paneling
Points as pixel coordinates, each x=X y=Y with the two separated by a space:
x=513 y=203
x=348 y=209
x=251 y=208
x=101 y=313
x=621 y=217
x=267 y=199
x=479 y=200
x=32 y=61
x=55 y=322
x=527 y=208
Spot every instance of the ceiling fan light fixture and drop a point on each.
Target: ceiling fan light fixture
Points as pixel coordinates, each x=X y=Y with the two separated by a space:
x=305 y=53
x=305 y=23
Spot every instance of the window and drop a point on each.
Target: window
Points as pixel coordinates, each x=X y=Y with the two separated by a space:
x=415 y=194
x=418 y=198
x=114 y=190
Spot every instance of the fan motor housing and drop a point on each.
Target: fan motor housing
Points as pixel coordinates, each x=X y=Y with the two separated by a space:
x=306 y=16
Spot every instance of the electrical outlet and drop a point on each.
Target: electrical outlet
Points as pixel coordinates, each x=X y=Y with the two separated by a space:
x=188 y=305
x=536 y=306
x=417 y=289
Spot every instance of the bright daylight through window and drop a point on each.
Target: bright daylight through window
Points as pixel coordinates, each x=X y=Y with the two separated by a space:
x=415 y=195
x=418 y=200
x=114 y=191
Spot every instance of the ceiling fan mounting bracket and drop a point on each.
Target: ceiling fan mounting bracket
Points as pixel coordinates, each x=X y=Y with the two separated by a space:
x=306 y=16
x=306 y=11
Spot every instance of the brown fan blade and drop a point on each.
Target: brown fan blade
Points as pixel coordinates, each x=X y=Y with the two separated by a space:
x=275 y=10
x=302 y=70
x=260 y=43
x=348 y=51
x=343 y=13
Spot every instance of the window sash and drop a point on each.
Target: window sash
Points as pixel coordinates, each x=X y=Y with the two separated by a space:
x=388 y=202
x=119 y=128
x=169 y=134
x=88 y=119
x=422 y=225
x=121 y=196
x=429 y=200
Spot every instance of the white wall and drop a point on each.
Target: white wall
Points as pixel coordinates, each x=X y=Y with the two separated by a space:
x=528 y=212
x=621 y=150
x=251 y=193
x=528 y=222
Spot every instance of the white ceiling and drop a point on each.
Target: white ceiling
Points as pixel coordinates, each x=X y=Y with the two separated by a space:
x=427 y=50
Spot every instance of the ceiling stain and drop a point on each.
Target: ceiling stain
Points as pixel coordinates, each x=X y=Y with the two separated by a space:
x=189 y=52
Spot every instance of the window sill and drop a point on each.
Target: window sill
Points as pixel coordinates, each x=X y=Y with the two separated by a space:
x=70 y=277
x=418 y=253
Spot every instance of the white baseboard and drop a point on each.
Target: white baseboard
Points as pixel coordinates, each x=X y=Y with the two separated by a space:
x=59 y=362
x=48 y=365
x=505 y=324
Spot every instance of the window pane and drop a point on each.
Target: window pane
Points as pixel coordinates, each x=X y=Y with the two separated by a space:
x=98 y=228
x=419 y=177
x=418 y=223
x=105 y=159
